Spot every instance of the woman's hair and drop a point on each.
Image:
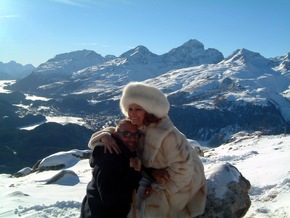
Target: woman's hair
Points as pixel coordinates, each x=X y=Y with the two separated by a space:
x=150 y=118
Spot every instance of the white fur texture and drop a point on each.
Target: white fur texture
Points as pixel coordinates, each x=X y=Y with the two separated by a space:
x=149 y=98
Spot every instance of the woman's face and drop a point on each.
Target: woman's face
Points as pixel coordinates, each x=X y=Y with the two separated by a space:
x=136 y=114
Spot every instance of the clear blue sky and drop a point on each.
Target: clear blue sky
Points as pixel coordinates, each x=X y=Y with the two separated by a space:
x=33 y=31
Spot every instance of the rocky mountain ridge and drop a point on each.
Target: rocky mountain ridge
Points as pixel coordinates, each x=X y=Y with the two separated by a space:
x=81 y=71
x=211 y=97
x=13 y=70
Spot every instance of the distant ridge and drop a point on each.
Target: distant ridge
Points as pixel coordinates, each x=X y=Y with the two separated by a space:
x=13 y=70
x=136 y=64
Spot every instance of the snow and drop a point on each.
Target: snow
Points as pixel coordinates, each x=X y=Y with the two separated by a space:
x=230 y=79
x=57 y=119
x=4 y=83
x=65 y=120
x=35 y=98
x=221 y=181
x=263 y=160
x=69 y=158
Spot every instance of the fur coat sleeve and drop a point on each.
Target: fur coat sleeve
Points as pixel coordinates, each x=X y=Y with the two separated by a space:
x=96 y=137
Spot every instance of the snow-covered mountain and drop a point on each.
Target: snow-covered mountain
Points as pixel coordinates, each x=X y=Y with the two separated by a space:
x=13 y=70
x=65 y=64
x=282 y=64
x=243 y=77
x=192 y=53
x=86 y=71
x=212 y=97
x=240 y=92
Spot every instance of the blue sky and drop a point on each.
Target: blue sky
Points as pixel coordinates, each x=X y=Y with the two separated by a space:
x=33 y=31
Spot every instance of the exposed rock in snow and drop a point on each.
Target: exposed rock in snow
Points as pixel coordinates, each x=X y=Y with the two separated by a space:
x=228 y=192
x=64 y=177
x=23 y=172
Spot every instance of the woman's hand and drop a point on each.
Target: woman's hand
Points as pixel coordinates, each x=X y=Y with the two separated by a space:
x=110 y=144
x=161 y=176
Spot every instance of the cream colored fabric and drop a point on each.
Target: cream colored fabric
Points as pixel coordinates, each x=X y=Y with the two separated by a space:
x=164 y=147
x=95 y=139
x=149 y=98
x=185 y=195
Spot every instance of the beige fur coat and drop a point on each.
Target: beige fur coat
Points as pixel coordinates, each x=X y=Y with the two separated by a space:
x=164 y=147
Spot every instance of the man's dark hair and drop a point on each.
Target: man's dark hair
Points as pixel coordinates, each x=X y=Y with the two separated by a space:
x=122 y=122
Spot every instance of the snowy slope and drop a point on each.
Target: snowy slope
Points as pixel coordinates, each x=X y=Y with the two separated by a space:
x=263 y=160
x=243 y=77
x=282 y=64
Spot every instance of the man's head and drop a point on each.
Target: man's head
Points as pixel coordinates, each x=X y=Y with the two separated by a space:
x=128 y=134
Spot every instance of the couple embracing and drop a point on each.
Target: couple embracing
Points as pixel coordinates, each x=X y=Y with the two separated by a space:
x=174 y=184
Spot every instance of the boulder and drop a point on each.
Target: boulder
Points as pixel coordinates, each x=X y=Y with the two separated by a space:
x=227 y=193
x=23 y=172
x=64 y=177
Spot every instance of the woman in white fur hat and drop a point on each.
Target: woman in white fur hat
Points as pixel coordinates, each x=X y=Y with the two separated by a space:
x=179 y=189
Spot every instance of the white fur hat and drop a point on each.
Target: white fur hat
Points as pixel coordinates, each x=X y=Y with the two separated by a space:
x=149 y=98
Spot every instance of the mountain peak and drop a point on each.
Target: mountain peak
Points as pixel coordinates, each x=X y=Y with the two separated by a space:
x=72 y=61
x=192 y=53
x=139 y=50
x=282 y=64
x=245 y=56
x=75 y=55
x=192 y=47
x=140 y=54
x=142 y=48
x=193 y=43
x=14 y=70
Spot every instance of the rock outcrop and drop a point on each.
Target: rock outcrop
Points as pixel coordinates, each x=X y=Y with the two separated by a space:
x=227 y=193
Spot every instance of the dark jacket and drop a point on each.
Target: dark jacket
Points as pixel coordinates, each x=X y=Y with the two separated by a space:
x=109 y=193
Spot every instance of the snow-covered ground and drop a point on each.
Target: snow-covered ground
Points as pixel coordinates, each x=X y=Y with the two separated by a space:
x=263 y=160
x=4 y=83
x=57 y=119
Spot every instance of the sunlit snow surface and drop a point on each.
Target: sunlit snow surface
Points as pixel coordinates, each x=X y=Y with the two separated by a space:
x=57 y=119
x=35 y=98
x=263 y=160
x=4 y=83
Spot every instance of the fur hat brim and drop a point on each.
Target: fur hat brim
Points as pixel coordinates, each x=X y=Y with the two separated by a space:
x=151 y=99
